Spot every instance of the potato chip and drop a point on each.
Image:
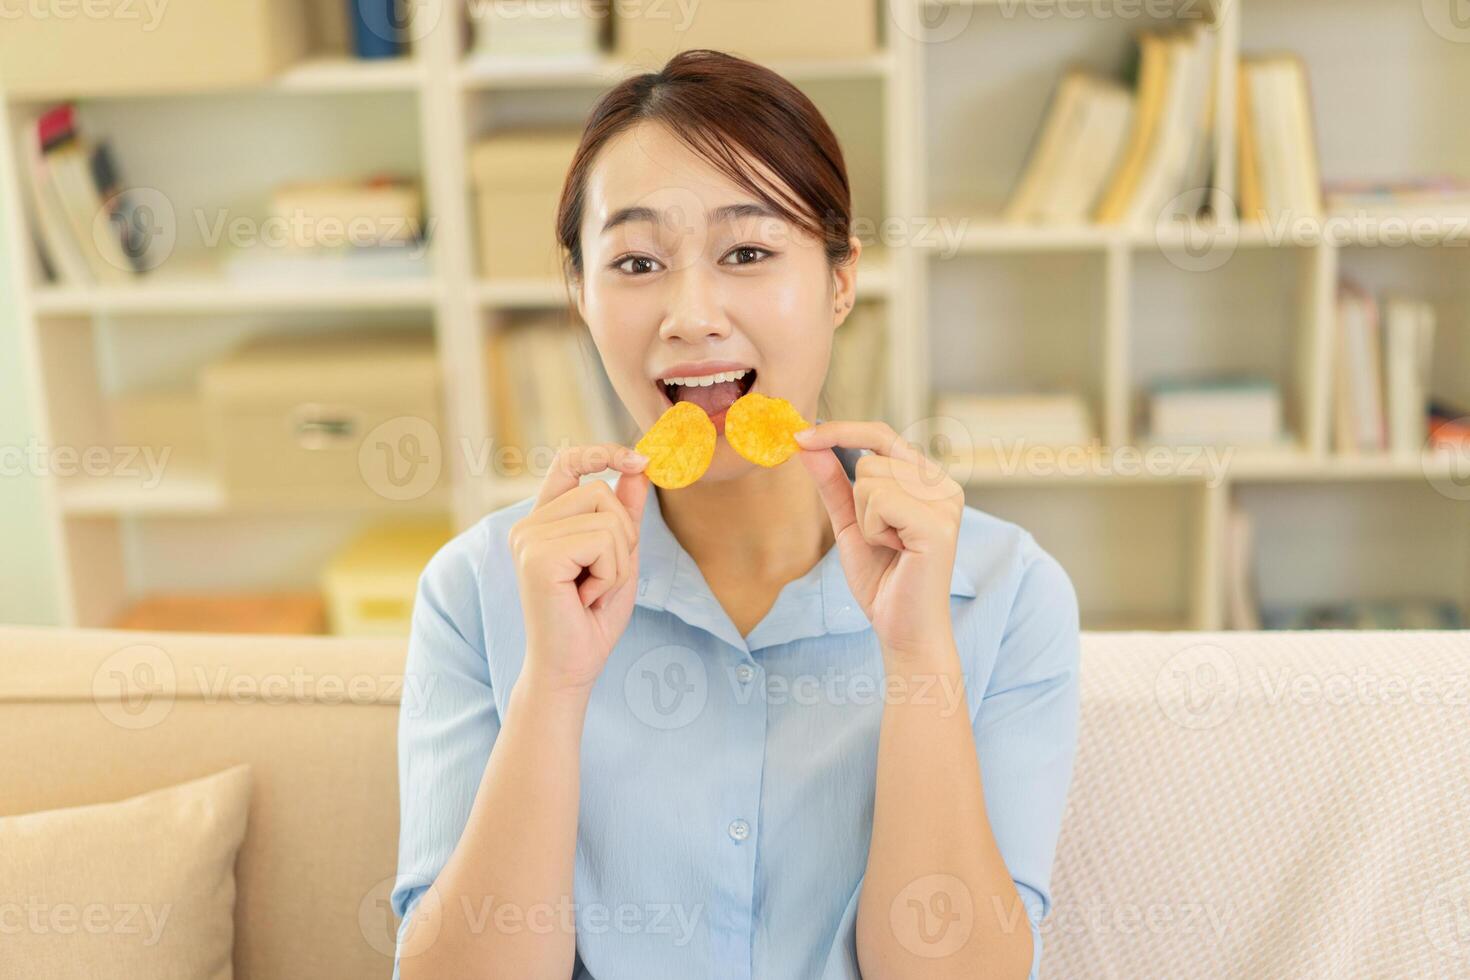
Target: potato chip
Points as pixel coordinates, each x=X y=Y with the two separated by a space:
x=679 y=446
x=759 y=428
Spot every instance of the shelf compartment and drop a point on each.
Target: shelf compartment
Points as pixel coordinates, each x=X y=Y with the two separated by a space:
x=1253 y=315
x=1135 y=554
x=1369 y=539
x=1000 y=326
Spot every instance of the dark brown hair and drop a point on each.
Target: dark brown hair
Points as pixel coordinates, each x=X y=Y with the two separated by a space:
x=718 y=105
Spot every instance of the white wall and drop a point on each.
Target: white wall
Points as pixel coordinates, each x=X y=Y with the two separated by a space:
x=25 y=550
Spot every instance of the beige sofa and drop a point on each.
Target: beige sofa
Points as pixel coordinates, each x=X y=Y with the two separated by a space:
x=1243 y=805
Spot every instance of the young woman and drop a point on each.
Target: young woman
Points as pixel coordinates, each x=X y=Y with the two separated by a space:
x=811 y=721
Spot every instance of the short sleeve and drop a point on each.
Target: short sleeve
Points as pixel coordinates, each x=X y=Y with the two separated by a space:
x=1026 y=730
x=447 y=721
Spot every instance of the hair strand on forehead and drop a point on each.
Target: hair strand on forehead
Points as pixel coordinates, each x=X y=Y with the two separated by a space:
x=729 y=111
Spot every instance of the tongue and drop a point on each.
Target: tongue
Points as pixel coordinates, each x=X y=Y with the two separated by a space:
x=713 y=399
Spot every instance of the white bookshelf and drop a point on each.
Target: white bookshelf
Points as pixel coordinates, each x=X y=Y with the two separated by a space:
x=936 y=126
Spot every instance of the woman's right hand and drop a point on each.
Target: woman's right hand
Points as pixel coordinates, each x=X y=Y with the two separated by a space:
x=576 y=560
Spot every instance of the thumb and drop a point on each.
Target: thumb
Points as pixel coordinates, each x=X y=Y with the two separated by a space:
x=834 y=486
x=632 y=492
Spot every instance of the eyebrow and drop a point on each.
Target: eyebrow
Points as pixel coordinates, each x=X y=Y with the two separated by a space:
x=729 y=212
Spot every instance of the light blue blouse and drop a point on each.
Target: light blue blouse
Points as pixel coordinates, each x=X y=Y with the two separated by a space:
x=727 y=782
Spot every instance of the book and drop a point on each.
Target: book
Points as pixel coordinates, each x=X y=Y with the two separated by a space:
x=1276 y=141
x=548 y=388
x=1223 y=410
x=1075 y=152
x=1381 y=614
x=1409 y=327
x=82 y=237
x=1358 y=412
x=1181 y=143
x=1241 y=604
x=997 y=422
x=1164 y=169
x=1424 y=196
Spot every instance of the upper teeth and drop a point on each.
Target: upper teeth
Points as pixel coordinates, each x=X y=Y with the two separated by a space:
x=705 y=380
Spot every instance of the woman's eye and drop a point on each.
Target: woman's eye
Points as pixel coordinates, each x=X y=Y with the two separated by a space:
x=636 y=265
x=746 y=254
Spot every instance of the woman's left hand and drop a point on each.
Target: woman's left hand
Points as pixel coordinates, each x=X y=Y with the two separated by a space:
x=896 y=526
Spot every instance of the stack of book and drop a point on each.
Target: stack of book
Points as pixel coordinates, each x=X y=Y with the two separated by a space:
x=1115 y=155
x=1275 y=141
x=1382 y=372
x=1442 y=196
x=1222 y=410
x=996 y=423
x=1384 y=614
x=548 y=386
x=88 y=230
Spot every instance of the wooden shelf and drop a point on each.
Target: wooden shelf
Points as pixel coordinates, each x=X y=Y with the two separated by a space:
x=343 y=74
x=940 y=131
x=213 y=295
x=190 y=489
x=481 y=72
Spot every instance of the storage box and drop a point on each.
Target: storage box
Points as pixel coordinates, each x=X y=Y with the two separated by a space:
x=232 y=612
x=540 y=28
x=118 y=48
x=518 y=177
x=291 y=418
x=349 y=214
x=648 y=32
x=370 y=585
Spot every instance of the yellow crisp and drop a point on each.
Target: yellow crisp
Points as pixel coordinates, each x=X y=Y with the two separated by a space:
x=679 y=446
x=759 y=428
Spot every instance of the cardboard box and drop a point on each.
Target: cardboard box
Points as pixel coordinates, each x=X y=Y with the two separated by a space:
x=648 y=32
x=294 y=418
x=518 y=177
x=142 y=47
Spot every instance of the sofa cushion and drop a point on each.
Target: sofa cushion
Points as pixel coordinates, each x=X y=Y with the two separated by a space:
x=144 y=887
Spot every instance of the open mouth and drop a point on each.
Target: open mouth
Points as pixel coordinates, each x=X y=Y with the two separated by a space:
x=712 y=392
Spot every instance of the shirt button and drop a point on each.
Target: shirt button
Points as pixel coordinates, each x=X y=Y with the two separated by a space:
x=744 y=673
x=739 y=830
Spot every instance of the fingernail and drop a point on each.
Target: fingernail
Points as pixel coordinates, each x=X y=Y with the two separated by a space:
x=803 y=435
x=637 y=459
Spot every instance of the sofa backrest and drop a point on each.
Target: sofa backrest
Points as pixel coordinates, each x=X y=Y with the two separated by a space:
x=1267 y=805
x=1243 y=804
x=91 y=716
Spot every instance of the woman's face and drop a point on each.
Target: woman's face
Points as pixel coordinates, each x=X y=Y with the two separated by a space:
x=687 y=275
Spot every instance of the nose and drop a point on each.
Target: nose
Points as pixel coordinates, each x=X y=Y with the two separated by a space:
x=695 y=314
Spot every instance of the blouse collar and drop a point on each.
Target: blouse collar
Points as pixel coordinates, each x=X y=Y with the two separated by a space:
x=816 y=603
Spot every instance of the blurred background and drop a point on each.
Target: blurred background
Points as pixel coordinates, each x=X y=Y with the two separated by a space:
x=1182 y=287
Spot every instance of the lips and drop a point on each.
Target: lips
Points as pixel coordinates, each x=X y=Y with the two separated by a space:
x=715 y=399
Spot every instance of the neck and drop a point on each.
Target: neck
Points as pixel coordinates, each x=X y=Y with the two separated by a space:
x=766 y=523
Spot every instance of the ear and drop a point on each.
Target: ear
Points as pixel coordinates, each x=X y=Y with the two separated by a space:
x=579 y=296
x=844 y=292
